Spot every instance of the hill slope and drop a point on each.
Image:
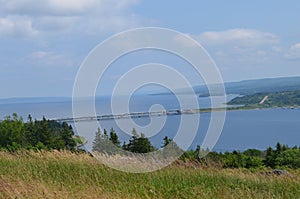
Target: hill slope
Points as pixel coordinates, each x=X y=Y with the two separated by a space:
x=67 y=175
x=279 y=99
x=247 y=87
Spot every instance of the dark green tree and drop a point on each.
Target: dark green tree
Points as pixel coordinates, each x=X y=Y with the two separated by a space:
x=167 y=141
x=234 y=160
x=278 y=148
x=253 y=162
x=67 y=136
x=30 y=132
x=97 y=143
x=12 y=132
x=114 y=137
x=270 y=157
x=253 y=153
x=105 y=133
x=139 y=144
x=170 y=149
x=103 y=144
x=289 y=158
x=15 y=134
x=45 y=134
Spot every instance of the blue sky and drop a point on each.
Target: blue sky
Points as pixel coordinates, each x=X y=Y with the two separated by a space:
x=42 y=43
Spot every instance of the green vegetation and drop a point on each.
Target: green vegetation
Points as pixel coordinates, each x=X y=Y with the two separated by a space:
x=44 y=134
x=137 y=143
x=281 y=157
x=27 y=174
x=31 y=167
x=277 y=99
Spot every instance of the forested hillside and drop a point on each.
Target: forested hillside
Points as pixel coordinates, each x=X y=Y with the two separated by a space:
x=280 y=99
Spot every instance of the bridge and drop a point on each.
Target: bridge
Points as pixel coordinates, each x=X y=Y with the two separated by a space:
x=129 y=115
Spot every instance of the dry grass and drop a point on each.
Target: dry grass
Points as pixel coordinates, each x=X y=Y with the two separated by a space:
x=68 y=175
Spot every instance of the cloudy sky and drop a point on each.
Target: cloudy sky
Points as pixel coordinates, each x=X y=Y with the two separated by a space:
x=43 y=43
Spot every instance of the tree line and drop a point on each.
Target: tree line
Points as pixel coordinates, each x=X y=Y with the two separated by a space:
x=282 y=156
x=280 y=99
x=138 y=143
x=278 y=157
x=35 y=134
x=49 y=134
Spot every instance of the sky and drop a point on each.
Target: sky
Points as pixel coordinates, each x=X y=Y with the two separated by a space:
x=43 y=43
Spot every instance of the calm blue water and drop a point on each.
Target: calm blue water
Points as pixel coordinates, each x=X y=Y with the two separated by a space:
x=242 y=130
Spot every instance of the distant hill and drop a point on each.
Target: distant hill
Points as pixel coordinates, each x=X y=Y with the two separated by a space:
x=263 y=85
x=247 y=87
x=278 y=99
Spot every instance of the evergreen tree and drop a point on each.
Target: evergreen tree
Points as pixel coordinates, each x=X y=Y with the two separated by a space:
x=114 y=137
x=270 y=158
x=125 y=146
x=135 y=135
x=278 y=148
x=45 y=135
x=170 y=148
x=139 y=144
x=285 y=147
x=67 y=136
x=97 y=143
x=101 y=143
x=167 y=141
x=14 y=133
x=105 y=133
x=29 y=131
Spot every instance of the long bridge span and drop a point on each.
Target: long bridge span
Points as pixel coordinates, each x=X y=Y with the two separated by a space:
x=129 y=115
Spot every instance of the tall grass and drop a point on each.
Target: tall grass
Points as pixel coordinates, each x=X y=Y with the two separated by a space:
x=68 y=175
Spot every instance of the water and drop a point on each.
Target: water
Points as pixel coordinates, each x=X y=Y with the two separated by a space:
x=243 y=129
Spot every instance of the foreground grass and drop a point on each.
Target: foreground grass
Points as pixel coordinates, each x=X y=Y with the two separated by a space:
x=67 y=175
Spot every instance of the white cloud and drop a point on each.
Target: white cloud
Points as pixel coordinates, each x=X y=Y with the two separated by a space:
x=293 y=52
x=239 y=37
x=48 y=58
x=241 y=46
x=75 y=16
x=40 y=54
x=71 y=6
x=16 y=26
x=296 y=47
x=56 y=7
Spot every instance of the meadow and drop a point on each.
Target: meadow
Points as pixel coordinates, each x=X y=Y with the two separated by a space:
x=45 y=174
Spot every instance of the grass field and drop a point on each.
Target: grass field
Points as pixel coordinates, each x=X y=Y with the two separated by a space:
x=68 y=175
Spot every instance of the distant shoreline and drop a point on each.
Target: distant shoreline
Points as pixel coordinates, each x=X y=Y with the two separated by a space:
x=243 y=108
